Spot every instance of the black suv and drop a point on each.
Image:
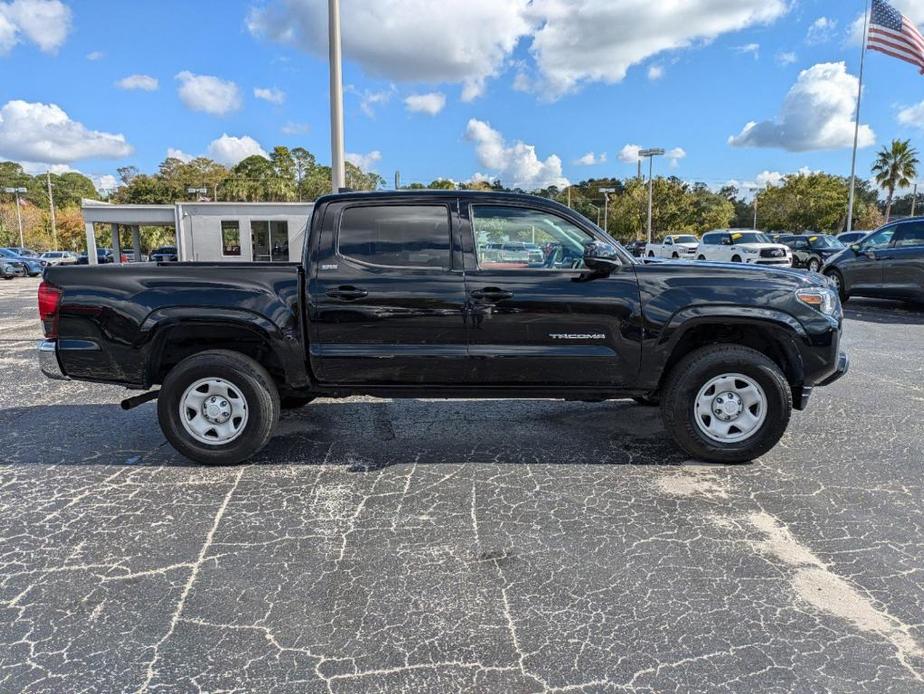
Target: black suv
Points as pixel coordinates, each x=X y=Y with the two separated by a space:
x=887 y=264
x=810 y=250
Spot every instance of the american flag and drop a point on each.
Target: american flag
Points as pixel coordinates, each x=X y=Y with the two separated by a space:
x=892 y=33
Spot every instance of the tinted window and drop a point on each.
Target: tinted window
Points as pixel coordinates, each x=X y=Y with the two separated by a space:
x=711 y=239
x=396 y=235
x=878 y=239
x=561 y=243
x=911 y=234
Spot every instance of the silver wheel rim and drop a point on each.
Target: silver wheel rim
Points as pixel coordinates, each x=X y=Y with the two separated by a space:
x=213 y=411
x=730 y=408
x=813 y=265
x=836 y=280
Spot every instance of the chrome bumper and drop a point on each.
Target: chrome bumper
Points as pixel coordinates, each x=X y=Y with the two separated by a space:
x=48 y=360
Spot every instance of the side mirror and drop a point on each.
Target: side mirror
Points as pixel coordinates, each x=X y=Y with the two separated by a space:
x=601 y=257
x=855 y=247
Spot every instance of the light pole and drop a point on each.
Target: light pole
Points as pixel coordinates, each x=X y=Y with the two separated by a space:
x=651 y=153
x=16 y=192
x=606 y=205
x=51 y=204
x=338 y=167
x=914 y=199
x=755 y=191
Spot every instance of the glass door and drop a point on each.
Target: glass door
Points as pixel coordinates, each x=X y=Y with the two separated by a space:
x=259 y=238
x=270 y=241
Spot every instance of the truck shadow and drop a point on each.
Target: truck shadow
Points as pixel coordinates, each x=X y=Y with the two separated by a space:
x=362 y=435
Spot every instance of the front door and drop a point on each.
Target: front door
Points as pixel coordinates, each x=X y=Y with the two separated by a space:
x=903 y=263
x=862 y=270
x=535 y=320
x=387 y=300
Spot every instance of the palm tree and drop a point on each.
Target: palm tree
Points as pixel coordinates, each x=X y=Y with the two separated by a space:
x=895 y=167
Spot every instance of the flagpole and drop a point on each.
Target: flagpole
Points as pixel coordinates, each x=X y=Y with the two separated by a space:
x=856 y=129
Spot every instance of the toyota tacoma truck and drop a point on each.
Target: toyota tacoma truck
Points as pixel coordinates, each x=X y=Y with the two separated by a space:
x=397 y=297
x=679 y=246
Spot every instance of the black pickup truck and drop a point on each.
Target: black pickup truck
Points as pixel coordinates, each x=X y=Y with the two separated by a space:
x=403 y=295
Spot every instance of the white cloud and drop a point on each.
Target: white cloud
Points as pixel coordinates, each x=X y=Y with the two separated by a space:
x=522 y=82
x=104 y=182
x=591 y=159
x=405 y=40
x=208 y=94
x=95 y=55
x=173 y=153
x=749 y=49
x=765 y=179
x=517 y=164
x=366 y=162
x=675 y=155
x=582 y=41
x=821 y=31
x=271 y=94
x=45 y=133
x=629 y=154
x=46 y=23
x=655 y=72
x=431 y=103
x=230 y=150
x=143 y=82
x=912 y=115
x=785 y=58
x=370 y=99
x=817 y=113
x=294 y=128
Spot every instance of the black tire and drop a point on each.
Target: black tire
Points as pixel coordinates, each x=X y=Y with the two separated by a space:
x=736 y=258
x=647 y=402
x=702 y=257
x=692 y=372
x=293 y=402
x=674 y=255
x=838 y=279
x=651 y=254
x=255 y=385
x=814 y=265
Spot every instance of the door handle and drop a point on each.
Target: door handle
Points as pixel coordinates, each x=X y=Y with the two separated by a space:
x=348 y=293
x=492 y=294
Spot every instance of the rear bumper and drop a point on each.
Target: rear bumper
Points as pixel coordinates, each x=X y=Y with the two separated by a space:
x=48 y=360
x=843 y=365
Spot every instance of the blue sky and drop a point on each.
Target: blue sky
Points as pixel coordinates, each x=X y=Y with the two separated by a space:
x=528 y=88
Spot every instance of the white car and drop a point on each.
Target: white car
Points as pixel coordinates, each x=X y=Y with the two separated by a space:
x=743 y=246
x=674 y=246
x=59 y=258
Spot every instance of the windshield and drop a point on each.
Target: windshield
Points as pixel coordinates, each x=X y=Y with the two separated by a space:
x=749 y=237
x=689 y=238
x=823 y=241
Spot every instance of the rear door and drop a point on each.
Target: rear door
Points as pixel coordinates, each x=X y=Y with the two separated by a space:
x=545 y=326
x=862 y=269
x=387 y=298
x=903 y=262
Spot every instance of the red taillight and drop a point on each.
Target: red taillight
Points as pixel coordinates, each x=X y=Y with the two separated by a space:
x=49 y=301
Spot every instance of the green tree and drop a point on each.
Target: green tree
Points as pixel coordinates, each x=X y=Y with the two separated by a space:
x=815 y=201
x=895 y=167
x=442 y=184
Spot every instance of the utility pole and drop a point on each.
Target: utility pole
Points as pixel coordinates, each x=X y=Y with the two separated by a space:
x=651 y=153
x=914 y=199
x=15 y=192
x=856 y=125
x=397 y=180
x=755 y=191
x=338 y=167
x=606 y=205
x=569 y=196
x=51 y=202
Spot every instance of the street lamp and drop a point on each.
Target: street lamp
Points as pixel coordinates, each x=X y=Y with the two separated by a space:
x=651 y=154
x=337 y=165
x=606 y=204
x=16 y=192
x=755 y=191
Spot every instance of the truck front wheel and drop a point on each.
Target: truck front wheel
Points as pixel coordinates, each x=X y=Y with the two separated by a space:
x=726 y=403
x=218 y=407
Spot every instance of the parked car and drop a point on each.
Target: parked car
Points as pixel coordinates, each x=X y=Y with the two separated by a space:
x=887 y=263
x=103 y=257
x=24 y=252
x=636 y=248
x=743 y=246
x=674 y=246
x=33 y=266
x=11 y=268
x=727 y=350
x=810 y=251
x=59 y=257
x=164 y=254
x=849 y=237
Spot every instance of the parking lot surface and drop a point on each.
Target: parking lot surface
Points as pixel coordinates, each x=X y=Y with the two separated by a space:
x=451 y=545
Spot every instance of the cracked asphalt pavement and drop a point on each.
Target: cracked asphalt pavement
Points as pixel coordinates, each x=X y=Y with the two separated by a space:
x=463 y=546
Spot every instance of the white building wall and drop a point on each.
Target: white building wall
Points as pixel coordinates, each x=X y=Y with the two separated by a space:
x=200 y=227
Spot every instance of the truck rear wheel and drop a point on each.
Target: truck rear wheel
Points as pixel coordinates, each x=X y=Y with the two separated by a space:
x=726 y=403
x=218 y=407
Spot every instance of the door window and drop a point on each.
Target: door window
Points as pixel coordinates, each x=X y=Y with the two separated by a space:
x=909 y=235
x=519 y=238
x=878 y=239
x=414 y=236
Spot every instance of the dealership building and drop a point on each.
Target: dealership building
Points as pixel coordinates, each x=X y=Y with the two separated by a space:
x=209 y=231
